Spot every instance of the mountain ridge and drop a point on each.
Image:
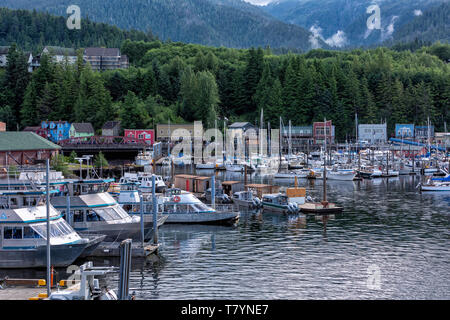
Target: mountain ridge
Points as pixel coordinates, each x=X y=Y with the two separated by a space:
x=230 y=23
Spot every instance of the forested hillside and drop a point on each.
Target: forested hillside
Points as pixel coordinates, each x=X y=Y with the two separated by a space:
x=187 y=82
x=208 y=22
x=432 y=25
x=343 y=23
x=34 y=30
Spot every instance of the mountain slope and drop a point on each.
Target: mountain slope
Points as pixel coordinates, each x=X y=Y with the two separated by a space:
x=432 y=25
x=34 y=30
x=344 y=22
x=217 y=23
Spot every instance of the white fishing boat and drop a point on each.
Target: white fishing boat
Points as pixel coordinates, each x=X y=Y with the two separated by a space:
x=205 y=166
x=247 y=200
x=100 y=214
x=141 y=181
x=181 y=207
x=370 y=172
x=292 y=174
x=342 y=175
x=144 y=157
x=278 y=203
x=436 y=184
x=23 y=233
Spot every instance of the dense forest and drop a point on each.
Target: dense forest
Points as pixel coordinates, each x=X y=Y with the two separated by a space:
x=432 y=25
x=350 y=17
x=34 y=30
x=208 y=22
x=187 y=82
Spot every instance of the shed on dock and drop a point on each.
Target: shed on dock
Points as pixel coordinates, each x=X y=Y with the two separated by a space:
x=192 y=183
x=230 y=187
x=261 y=189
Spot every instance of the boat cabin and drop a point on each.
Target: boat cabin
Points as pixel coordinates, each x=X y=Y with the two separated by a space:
x=262 y=189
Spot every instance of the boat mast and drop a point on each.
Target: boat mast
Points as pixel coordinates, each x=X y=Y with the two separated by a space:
x=325 y=164
x=47 y=204
x=290 y=139
x=280 y=145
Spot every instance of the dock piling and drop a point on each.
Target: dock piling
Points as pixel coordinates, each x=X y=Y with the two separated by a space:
x=125 y=266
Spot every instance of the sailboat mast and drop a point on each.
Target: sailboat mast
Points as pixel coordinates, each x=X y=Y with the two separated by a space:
x=324 y=163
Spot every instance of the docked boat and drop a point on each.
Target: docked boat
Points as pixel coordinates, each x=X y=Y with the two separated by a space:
x=292 y=174
x=220 y=196
x=181 y=207
x=247 y=200
x=436 y=184
x=205 y=166
x=343 y=175
x=99 y=213
x=278 y=203
x=23 y=233
x=144 y=158
x=141 y=181
x=370 y=172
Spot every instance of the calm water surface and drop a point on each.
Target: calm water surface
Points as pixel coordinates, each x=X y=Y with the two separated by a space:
x=390 y=243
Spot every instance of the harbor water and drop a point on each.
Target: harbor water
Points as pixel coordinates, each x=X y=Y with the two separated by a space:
x=391 y=242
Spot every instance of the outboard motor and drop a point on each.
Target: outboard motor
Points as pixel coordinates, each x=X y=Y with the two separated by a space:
x=226 y=198
x=256 y=203
x=292 y=207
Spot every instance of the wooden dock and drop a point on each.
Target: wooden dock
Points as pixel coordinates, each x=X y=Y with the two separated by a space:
x=112 y=250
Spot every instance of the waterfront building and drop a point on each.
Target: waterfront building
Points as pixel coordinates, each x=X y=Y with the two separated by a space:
x=111 y=129
x=372 y=133
x=60 y=54
x=442 y=138
x=4 y=57
x=56 y=130
x=322 y=130
x=164 y=130
x=24 y=148
x=38 y=130
x=132 y=135
x=404 y=131
x=2 y=126
x=421 y=132
x=105 y=58
x=80 y=130
x=300 y=137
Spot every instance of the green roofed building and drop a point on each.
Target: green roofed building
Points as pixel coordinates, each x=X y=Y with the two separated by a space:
x=22 y=148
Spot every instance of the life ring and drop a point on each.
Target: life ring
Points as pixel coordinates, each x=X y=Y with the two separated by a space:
x=176 y=199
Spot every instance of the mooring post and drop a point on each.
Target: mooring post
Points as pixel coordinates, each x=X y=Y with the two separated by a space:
x=68 y=213
x=125 y=266
x=141 y=198
x=213 y=191
x=155 y=211
x=47 y=205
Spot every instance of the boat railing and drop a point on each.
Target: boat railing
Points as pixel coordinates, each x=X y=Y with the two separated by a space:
x=225 y=208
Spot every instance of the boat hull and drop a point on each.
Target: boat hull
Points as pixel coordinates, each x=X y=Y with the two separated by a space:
x=60 y=255
x=435 y=188
x=203 y=218
x=122 y=231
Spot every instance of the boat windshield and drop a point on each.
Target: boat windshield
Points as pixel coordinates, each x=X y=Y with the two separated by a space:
x=58 y=228
x=111 y=213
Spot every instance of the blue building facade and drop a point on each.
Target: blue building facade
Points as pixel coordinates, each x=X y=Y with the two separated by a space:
x=404 y=130
x=421 y=132
x=56 y=130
